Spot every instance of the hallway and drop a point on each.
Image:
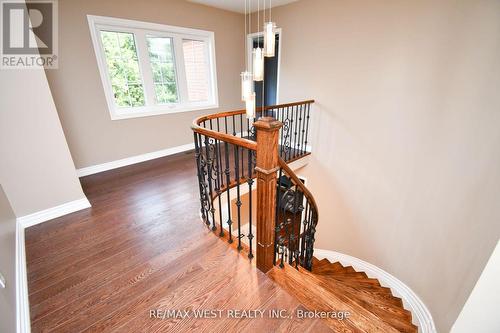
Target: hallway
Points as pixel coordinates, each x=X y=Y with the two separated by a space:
x=142 y=247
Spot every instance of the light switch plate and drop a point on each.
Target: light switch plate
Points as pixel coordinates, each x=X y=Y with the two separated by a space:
x=2 y=281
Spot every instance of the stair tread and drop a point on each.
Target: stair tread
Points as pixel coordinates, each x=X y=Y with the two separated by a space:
x=382 y=292
x=314 y=292
x=376 y=304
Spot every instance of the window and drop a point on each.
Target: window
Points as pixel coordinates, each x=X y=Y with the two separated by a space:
x=148 y=69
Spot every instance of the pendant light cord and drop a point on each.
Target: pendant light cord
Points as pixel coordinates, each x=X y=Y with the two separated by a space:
x=245 y=46
x=264 y=60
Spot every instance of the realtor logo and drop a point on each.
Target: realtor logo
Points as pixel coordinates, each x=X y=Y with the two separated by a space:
x=29 y=34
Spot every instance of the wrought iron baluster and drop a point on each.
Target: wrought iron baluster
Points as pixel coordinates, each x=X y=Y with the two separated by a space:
x=201 y=180
x=303 y=131
x=218 y=188
x=295 y=131
x=225 y=124
x=303 y=233
x=297 y=224
x=299 y=150
x=286 y=131
x=221 y=178
x=250 y=182
x=281 y=142
x=210 y=160
x=291 y=228
x=241 y=125
x=234 y=125
x=228 y=181
x=238 y=198
x=307 y=125
x=277 y=227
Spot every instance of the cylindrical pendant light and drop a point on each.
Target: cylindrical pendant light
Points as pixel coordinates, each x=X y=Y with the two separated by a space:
x=258 y=64
x=250 y=106
x=246 y=85
x=269 y=39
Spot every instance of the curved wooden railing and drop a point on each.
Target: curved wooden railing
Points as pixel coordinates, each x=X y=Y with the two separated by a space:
x=296 y=220
x=231 y=152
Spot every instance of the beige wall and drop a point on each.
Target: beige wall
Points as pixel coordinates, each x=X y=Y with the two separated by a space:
x=36 y=169
x=92 y=136
x=7 y=265
x=406 y=138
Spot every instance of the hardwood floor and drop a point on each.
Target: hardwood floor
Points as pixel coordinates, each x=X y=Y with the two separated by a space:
x=143 y=247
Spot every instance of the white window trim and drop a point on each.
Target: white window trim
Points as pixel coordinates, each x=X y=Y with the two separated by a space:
x=140 y=30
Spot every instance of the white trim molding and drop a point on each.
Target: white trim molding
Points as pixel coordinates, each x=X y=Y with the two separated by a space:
x=27 y=221
x=141 y=31
x=22 y=303
x=132 y=160
x=421 y=316
x=23 y=222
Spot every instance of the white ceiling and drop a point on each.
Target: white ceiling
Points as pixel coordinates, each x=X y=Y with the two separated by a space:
x=239 y=5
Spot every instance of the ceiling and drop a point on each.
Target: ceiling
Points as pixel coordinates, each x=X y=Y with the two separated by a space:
x=239 y=5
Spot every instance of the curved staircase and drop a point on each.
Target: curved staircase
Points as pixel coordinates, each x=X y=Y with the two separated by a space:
x=236 y=159
x=333 y=287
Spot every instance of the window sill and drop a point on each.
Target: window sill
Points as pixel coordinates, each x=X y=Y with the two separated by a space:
x=163 y=110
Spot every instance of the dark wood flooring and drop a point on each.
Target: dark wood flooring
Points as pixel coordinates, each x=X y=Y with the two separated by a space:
x=142 y=247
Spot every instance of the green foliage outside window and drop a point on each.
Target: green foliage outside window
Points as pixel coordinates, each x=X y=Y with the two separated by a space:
x=162 y=64
x=123 y=68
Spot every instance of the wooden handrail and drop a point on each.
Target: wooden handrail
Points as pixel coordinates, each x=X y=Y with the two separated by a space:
x=199 y=120
x=242 y=142
x=245 y=143
x=300 y=184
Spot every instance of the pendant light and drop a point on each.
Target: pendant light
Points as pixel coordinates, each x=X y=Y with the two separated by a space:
x=269 y=33
x=250 y=106
x=258 y=55
x=269 y=39
x=258 y=64
x=247 y=87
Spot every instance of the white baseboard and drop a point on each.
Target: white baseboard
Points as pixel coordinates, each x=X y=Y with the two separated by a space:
x=23 y=222
x=22 y=303
x=52 y=213
x=132 y=160
x=420 y=314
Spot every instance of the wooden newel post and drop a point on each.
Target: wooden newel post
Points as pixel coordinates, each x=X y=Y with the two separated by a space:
x=267 y=129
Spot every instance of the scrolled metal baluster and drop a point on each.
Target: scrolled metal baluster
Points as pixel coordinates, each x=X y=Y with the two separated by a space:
x=291 y=227
x=209 y=148
x=200 y=165
x=286 y=133
x=296 y=224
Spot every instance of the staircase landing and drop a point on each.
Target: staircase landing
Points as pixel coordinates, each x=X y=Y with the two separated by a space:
x=141 y=248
